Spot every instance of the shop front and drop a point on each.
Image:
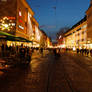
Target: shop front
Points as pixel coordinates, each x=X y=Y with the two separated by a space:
x=14 y=20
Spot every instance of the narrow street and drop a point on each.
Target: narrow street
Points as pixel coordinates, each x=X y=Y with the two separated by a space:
x=48 y=73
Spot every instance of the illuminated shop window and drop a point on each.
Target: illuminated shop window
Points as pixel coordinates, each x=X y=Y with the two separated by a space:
x=20 y=14
x=7 y=23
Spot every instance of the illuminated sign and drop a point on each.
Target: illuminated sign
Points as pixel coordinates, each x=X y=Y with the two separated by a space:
x=7 y=23
x=20 y=21
x=21 y=27
x=11 y=18
x=20 y=17
x=20 y=14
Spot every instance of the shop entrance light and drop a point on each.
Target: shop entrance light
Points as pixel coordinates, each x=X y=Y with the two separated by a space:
x=6 y=26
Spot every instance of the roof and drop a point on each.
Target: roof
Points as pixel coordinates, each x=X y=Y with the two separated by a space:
x=27 y=6
x=35 y=21
x=43 y=32
x=77 y=24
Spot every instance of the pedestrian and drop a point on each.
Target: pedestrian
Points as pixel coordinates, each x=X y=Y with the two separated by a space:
x=66 y=49
x=22 y=52
x=91 y=52
x=3 y=49
x=77 y=50
x=56 y=52
x=87 y=52
x=28 y=55
x=82 y=52
x=41 y=50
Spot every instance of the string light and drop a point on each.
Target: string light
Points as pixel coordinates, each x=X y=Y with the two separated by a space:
x=6 y=24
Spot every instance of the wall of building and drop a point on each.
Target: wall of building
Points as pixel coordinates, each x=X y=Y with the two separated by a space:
x=22 y=19
x=77 y=37
x=21 y=22
x=8 y=10
x=37 y=34
x=89 y=22
x=29 y=26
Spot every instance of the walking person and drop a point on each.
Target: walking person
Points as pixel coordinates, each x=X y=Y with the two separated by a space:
x=77 y=50
x=87 y=52
x=2 y=50
x=28 y=55
x=22 y=53
x=91 y=52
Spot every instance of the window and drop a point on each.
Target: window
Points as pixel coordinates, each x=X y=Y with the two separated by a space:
x=79 y=29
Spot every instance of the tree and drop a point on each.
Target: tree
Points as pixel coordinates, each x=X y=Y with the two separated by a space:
x=60 y=35
x=62 y=31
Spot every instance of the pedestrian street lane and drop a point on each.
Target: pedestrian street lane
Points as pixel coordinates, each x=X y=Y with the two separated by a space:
x=48 y=73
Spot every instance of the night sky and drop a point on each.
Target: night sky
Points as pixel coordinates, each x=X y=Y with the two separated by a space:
x=55 y=14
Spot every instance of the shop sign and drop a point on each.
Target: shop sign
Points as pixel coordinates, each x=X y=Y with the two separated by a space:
x=20 y=14
x=9 y=18
x=21 y=27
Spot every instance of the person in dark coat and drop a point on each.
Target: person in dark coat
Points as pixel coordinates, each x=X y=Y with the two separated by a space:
x=87 y=52
x=22 y=52
x=2 y=48
x=56 y=52
x=77 y=50
x=28 y=55
x=91 y=52
x=41 y=50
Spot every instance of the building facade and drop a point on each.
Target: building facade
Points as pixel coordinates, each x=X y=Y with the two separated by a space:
x=8 y=16
x=16 y=17
x=89 y=23
x=76 y=37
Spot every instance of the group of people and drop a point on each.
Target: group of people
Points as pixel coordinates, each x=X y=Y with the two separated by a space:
x=57 y=52
x=85 y=51
x=21 y=52
x=24 y=52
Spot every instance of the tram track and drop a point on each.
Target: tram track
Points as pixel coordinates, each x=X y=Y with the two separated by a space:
x=68 y=80
x=51 y=72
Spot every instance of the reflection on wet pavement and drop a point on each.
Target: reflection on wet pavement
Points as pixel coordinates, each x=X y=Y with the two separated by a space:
x=29 y=79
x=48 y=73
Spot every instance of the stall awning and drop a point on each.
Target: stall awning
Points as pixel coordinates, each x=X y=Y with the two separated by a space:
x=9 y=37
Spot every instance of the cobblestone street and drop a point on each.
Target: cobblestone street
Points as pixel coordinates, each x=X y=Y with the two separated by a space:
x=47 y=73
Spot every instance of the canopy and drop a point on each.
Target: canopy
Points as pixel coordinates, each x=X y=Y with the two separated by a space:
x=9 y=37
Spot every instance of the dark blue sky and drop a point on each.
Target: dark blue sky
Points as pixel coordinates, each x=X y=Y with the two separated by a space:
x=66 y=13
